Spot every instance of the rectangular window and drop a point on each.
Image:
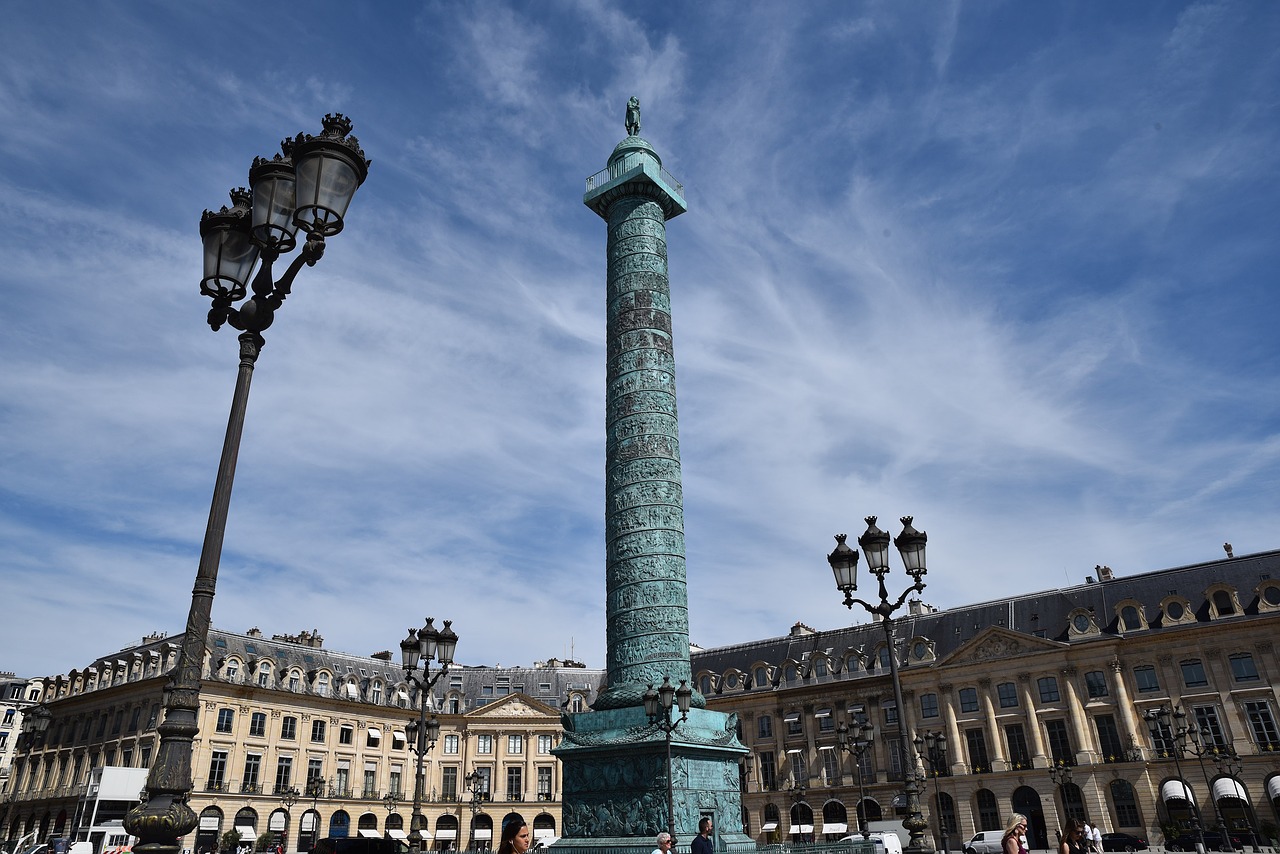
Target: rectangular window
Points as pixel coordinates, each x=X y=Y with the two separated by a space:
x=826 y=723
x=768 y=772
x=1059 y=742
x=217 y=771
x=515 y=783
x=928 y=705
x=315 y=770
x=1162 y=741
x=226 y=718
x=1007 y=693
x=1145 y=678
x=370 y=788
x=890 y=714
x=1210 y=727
x=794 y=725
x=396 y=781
x=1016 y=738
x=1243 y=669
x=897 y=767
x=317 y=730
x=342 y=780
x=451 y=745
x=1048 y=686
x=830 y=767
x=799 y=768
x=252 y=768
x=449 y=784
x=258 y=725
x=544 y=745
x=117 y=723
x=1109 y=739
x=979 y=762
x=484 y=744
x=544 y=783
x=288 y=728
x=1193 y=675
x=1095 y=683
x=515 y=745
x=135 y=718
x=764 y=727
x=486 y=789
x=284 y=771
x=346 y=734
x=968 y=700
x=1262 y=725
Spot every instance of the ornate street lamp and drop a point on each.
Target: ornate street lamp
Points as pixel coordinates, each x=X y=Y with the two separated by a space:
x=308 y=185
x=475 y=785
x=844 y=565
x=1198 y=741
x=424 y=645
x=1161 y=724
x=931 y=747
x=1228 y=763
x=856 y=742
x=1060 y=774
x=659 y=706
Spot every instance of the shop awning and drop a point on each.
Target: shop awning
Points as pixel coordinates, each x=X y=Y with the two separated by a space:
x=246 y=832
x=835 y=827
x=482 y=833
x=1226 y=787
x=398 y=834
x=802 y=828
x=769 y=825
x=446 y=833
x=544 y=832
x=375 y=734
x=1175 y=790
x=1273 y=788
x=372 y=834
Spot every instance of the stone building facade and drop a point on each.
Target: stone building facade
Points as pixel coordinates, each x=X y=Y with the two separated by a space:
x=1056 y=680
x=285 y=717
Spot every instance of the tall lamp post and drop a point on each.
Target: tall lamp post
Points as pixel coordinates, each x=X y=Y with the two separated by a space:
x=1227 y=761
x=1060 y=774
x=308 y=186
x=1160 y=723
x=424 y=645
x=288 y=797
x=931 y=747
x=1198 y=741
x=856 y=742
x=844 y=565
x=659 y=706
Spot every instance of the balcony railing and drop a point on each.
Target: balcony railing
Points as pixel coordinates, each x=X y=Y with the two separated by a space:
x=251 y=788
x=625 y=165
x=215 y=786
x=546 y=796
x=370 y=795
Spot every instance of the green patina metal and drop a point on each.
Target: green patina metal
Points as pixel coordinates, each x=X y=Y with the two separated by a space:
x=614 y=759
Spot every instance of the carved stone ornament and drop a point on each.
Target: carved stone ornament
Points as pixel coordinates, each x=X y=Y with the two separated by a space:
x=998 y=647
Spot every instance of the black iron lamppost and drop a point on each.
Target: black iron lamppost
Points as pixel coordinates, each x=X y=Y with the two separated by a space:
x=308 y=186
x=475 y=785
x=659 y=706
x=288 y=797
x=844 y=564
x=931 y=747
x=856 y=742
x=1198 y=741
x=1227 y=761
x=424 y=645
x=1160 y=723
x=1060 y=774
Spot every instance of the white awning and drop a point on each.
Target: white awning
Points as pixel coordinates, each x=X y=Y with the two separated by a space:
x=835 y=827
x=446 y=833
x=826 y=747
x=1174 y=790
x=398 y=834
x=1226 y=787
x=209 y=822
x=364 y=831
x=822 y=713
x=482 y=833
x=792 y=718
x=246 y=832
x=1273 y=788
x=399 y=735
x=796 y=750
x=374 y=733
x=544 y=832
x=769 y=825
x=802 y=828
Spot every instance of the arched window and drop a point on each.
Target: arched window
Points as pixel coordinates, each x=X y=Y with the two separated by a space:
x=1222 y=603
x=264 y=674
x=1125 y=803
x=375 y=693
x=322 y=684
x=761 y=677
x=1130 y=617
x=988 y=810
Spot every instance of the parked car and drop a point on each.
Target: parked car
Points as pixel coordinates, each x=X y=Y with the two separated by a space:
x=1212 y=842
x=1123 y=842
x=886 y=843
x=984 y=842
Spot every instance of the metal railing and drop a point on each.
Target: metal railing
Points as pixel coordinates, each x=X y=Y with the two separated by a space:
x=631 y=161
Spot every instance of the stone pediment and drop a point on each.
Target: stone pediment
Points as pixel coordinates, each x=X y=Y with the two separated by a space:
x=995 y=643
x=515 y=706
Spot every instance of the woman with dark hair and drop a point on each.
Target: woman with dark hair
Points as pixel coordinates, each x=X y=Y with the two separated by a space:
x=515 y=837
x=1072 y=837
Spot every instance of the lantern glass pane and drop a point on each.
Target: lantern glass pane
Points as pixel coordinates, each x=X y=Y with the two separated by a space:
x=273 y=204
x=325 y=187
x=229 y=256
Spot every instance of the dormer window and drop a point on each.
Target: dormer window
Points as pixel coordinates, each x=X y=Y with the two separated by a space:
x=1222 y=602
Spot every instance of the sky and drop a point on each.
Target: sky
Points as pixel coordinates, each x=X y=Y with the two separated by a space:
x=1010 y=268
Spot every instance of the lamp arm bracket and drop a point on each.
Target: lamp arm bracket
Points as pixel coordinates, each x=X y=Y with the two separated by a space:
x=849 y=600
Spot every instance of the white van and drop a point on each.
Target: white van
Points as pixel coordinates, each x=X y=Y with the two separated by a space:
x=886 y=843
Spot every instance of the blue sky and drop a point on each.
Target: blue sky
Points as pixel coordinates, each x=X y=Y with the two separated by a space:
x=1008 y=267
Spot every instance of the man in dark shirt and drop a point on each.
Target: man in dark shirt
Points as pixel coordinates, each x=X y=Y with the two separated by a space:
x=702 y=842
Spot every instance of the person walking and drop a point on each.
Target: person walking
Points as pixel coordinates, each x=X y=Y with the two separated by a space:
x=702 y=842
x=515 y=837
x=1072 y=838
x=1011 y=842
x=664 y=843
